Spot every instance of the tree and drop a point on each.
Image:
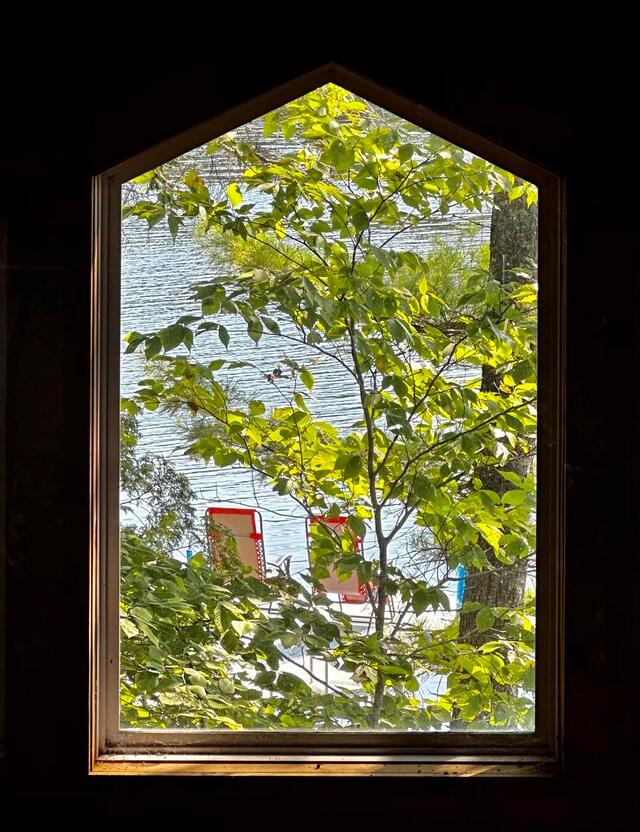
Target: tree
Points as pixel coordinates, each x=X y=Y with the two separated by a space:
x=513 y=257
x=312 y=241
x=155 y=496
x=186 y=660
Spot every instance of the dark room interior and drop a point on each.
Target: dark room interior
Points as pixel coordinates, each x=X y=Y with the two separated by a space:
x=57 y=133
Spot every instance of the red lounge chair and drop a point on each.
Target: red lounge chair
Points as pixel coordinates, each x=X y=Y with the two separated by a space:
x=350 y=590
x=245 y=527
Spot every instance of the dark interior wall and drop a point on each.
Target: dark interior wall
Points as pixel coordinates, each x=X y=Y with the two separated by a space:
x=57 y=133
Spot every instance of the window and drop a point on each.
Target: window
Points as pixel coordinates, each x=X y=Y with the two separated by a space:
x=340 y=316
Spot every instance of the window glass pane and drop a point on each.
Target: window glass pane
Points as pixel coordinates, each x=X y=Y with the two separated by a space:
x=328 y=431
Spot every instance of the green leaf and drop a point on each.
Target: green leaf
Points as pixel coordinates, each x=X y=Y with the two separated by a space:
x=420 y=600
x=442 y=599
x=199 y=691
x=223 y=334
x=193 y=180
x=133 y=339
x=393 y=670
x=307 y=379
x=174 y=222
x=512 y=478
x=373 y=399
x=152 y=347
x=271 y=123
x=340 y=155
x=256 y=407
x=515 y=548
x=357 y=525
x=172 y=336
x=297 y=397
x=255 y=329
x=405 y=152
x=484 y=619
x=352 y=467
x=288 y=129
x=144 y=178
x=129 y=628
x=514 y=497
x=265 y=678
x=240 y=627
x=141 y=613
x=423 y=488
x=375 y=303
x=398 y=331
x=271 y=325
x=529 y=678
x=290 y=640
x=359 y=218
x=434 y=307
x=146 y=629
x=226 y=686
x=234 y=193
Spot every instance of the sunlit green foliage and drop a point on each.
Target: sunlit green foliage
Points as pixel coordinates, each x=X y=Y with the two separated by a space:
x=311 y=242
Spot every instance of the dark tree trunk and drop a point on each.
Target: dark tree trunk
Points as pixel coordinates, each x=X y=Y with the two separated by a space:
x=513 y=247
x=498 y=584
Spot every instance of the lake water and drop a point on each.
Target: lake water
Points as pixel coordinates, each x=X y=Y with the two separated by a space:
x=157 y=273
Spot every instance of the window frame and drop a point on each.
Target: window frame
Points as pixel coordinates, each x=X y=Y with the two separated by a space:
x=364 y=753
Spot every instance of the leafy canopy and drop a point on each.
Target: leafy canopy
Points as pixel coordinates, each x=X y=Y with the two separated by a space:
x=314 y=244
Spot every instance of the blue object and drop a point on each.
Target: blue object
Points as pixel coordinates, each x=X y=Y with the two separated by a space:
x=460 y=591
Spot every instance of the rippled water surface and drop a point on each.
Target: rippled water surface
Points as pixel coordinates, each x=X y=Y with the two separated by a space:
x=157 y=273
